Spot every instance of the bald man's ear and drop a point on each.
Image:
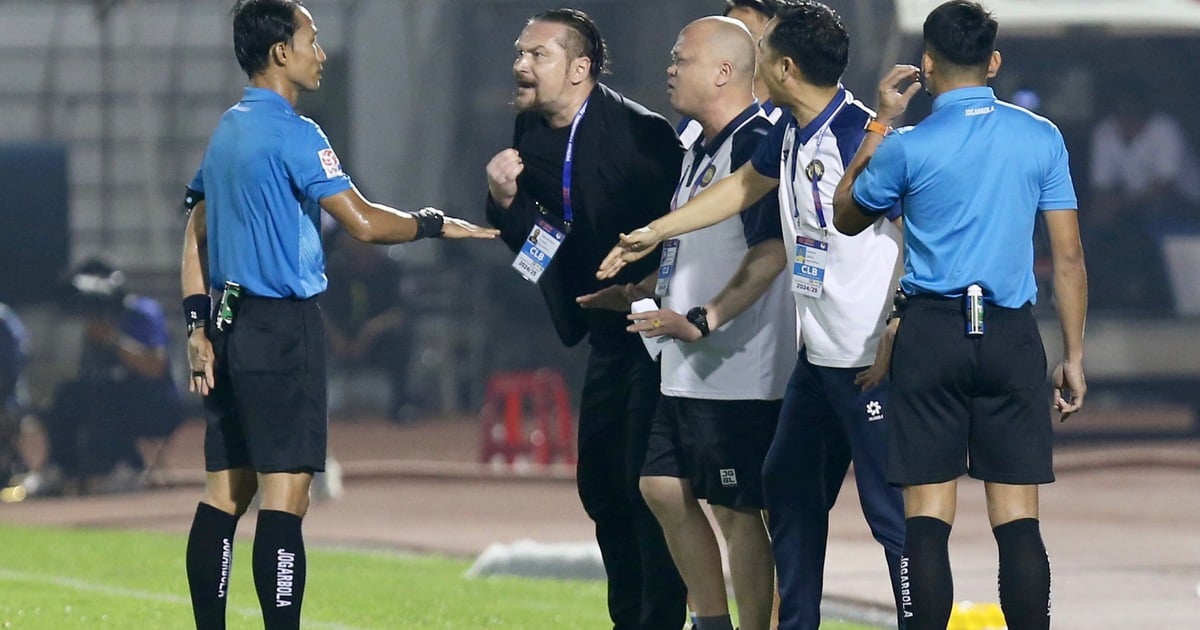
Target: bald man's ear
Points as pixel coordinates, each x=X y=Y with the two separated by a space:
x=724 y=73
x=994 y=64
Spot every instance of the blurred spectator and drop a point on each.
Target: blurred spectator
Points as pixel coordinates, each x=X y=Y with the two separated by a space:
x=123 y=391
x=367 y=325
x=1144 y=182
x=14 y=352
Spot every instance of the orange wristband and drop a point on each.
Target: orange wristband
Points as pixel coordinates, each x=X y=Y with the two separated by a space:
x=874 y=126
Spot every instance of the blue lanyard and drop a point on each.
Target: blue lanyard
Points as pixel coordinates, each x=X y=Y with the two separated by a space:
x=568 y=214
x=814 y=171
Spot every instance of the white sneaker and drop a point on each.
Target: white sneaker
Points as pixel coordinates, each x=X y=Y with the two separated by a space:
x=49 y=481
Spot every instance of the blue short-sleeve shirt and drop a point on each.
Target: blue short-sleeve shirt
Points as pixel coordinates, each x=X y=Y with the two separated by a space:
x=971 y=178
x=263 y=175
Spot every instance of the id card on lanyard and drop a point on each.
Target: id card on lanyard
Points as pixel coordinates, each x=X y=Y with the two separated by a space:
x=539 y=249
x=545 y=237
x=808 y=268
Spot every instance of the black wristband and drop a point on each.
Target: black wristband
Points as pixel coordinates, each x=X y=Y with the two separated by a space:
x=197 y=310
x=698 y=316
x=429 y=223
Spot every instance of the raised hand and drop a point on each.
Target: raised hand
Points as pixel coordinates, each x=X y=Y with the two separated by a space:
x=502 y=173
x=893 y=101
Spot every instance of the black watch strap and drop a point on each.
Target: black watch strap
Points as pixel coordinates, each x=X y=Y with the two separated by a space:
x=698 y=316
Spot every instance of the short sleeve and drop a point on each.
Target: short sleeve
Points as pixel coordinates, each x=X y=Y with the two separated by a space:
x=766 y=158
x=146 y=324
x=1058 y=192
x=760 y=221
x=885 y=180
x=312 y=164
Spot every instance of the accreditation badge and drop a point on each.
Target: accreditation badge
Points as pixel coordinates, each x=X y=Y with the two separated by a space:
x=808 y=270
x=538 y=250
x=666 y=266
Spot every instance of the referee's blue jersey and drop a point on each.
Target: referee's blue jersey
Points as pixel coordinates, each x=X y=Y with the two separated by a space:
x=264 y=172
x=971 y=177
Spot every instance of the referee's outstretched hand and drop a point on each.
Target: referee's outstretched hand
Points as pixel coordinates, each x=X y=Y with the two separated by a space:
x=1069 y=388
x=458 y=228
x=200 y=361
x=632 y=247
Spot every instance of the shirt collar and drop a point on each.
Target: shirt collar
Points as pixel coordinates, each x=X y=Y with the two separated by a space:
x=710 y=148
x=263 y=95
x=963 y=94
x=808 y=131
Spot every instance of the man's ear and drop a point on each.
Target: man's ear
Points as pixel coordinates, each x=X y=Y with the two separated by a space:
x=279 y=52
x=994 y=64
x=581 y=69
x=724 y=73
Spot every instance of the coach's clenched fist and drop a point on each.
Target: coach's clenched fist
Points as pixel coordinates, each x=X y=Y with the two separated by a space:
x=502 y=172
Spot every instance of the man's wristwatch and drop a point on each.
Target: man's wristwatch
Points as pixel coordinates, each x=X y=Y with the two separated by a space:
x=698 y=316
x=874 y=126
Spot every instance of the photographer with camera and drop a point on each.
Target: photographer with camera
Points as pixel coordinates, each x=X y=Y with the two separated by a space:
x=122 y=392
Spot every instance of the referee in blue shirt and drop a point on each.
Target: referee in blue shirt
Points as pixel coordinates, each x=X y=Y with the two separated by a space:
x=968 y=388
x=260 y=363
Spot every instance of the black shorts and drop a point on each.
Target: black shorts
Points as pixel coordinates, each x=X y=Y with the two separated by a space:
x=717 y=445
x=975 y=405
x=268 y=410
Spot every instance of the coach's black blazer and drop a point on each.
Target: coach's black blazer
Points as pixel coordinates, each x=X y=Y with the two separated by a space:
x=625 y=168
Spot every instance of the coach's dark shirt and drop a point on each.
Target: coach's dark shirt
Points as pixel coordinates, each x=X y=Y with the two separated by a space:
x=625 y=167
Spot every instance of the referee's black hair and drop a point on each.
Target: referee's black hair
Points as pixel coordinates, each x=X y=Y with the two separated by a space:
x=257 y=26
x=961 y=32
x=766 y=8
x=813 y=36
x=585 y=37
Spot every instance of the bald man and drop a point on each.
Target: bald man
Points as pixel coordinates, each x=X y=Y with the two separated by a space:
x=728 y=316
x=754 y=14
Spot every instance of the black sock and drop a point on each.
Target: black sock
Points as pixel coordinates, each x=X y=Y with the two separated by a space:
x=209 y=564
x=926 y=588
x=279 y=568
x=1024 y=575
x=716 y=622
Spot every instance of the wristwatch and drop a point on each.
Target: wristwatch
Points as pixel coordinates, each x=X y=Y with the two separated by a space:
x=698 y=316
x=874 y=126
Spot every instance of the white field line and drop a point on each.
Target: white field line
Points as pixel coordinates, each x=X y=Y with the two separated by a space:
x=130 y=593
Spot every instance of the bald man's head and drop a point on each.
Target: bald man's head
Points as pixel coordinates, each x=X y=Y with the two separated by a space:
x=712 y=63
x=725 y=39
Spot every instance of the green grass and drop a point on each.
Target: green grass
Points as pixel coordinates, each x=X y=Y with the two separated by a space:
x=57 y=579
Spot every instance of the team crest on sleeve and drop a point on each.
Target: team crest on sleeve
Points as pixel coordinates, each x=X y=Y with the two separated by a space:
x=330 y=162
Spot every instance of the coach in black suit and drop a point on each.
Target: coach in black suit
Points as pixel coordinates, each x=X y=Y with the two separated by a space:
x=622 y=164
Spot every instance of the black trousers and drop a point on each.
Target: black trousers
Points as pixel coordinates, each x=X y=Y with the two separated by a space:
x=93 y=424
x=620 y=394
